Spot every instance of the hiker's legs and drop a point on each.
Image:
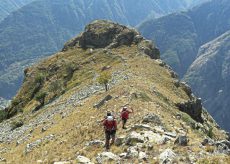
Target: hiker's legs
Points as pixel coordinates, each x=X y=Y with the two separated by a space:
x=123 y=123
x=113 y=134
x=107 y=138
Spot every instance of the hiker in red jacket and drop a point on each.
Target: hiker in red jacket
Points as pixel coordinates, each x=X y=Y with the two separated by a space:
x=110 y=126
x=125 y=115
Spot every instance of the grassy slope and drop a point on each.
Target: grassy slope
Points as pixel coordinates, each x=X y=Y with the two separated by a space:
x=80 y=126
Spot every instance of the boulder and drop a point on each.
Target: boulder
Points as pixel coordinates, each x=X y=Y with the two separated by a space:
x=2 y=159
x=154 y=137
x=167 y=156
x=95 y=143
x=134 y=138
x=170 y=134
x=140 y=127
x=182 y=140
x=107 y=157
x=123 y=155
x=119 y=140
x=223 y=147
x=62 y=162
x=83 y=160
x=152 y=118
x=207 y=141
x=142 y=156
x=132 y=152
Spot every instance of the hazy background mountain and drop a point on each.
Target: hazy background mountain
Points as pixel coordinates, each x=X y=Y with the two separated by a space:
x=181 y=37
x=9 y=6
x=40 y=29
x=209 y=75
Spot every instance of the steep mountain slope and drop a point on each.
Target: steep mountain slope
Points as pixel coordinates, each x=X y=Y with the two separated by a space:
x=179 y=36
x=9 y=6
x=209 y=76
x=41 y=28
x=60 y=105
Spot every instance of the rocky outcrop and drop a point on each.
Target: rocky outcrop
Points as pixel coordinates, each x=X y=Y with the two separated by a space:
x=152 y=118
x=103 y=101
x=192 y=108
x=102 y=33
x=209 y=77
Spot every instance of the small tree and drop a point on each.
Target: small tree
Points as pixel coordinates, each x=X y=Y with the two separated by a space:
x=104 y=79
x=41 y=97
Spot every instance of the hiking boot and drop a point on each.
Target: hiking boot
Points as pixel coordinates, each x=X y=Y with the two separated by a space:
x=107 y=149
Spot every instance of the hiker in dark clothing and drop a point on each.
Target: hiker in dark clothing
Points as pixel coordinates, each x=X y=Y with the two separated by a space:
x=110 y=127
x=125 y=115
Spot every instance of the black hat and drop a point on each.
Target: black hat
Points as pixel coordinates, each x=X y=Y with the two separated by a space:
x=109 y=114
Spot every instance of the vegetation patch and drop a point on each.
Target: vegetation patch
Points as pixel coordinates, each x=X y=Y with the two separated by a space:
x=16 y=124
x=3 y=115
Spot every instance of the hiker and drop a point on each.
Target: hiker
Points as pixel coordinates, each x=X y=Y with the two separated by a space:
x=110 y=126
x=125 y=115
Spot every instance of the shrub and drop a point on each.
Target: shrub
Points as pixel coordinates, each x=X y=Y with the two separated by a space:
x=104 y=78
x=16 y=124
x=40 y=78
x=15 y=102
x=40 y=96
x=3 y=115
x=55 y=86
x=210 y=132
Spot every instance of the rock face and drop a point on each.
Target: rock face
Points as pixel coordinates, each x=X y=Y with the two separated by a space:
x=193 y=108
x=102 y=33
x=209 y=77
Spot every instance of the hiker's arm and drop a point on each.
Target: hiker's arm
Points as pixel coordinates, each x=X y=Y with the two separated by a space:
x=115 y=124
x=131 y=110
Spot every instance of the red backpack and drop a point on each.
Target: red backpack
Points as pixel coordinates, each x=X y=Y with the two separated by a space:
x=125 y=114
x=110 y=125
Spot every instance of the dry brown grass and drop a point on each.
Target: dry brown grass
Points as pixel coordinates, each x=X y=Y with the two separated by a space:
x=80 y=127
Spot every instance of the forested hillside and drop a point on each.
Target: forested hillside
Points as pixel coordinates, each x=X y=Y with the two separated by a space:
x=9 y=6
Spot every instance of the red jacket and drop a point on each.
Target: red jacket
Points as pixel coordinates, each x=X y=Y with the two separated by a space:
x=110 y=125
x=125 y=114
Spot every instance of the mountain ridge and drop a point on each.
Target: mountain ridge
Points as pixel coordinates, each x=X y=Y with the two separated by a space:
x=62 y=118
x=42 y=27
